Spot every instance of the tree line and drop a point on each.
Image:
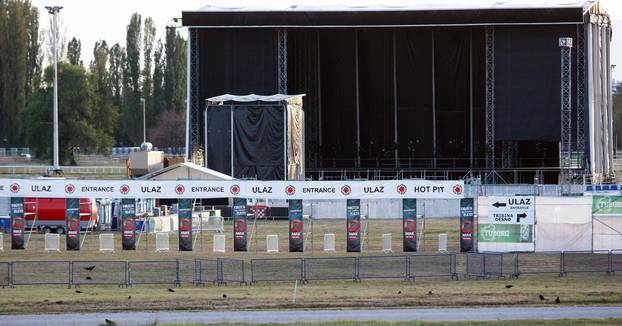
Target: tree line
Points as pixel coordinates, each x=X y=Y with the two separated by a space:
x=100 y=104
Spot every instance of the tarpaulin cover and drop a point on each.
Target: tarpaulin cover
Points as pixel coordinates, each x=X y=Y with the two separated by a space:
x=563 y=223
x=128 y=218
x=17 y=223
x=72 y=213
x=607 y=226
x=185 y=225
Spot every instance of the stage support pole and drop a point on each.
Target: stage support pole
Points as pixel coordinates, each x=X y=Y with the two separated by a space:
x=565 y=44
x=490 y=103
x=395 y=139
x=231 y=141
x=580 y=123
x=471 y=98
x=358 y=118
x=319 y=98
x=433 y=103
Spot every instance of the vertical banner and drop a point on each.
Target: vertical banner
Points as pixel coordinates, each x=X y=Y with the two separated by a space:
x=296 y=241
x=185 y=224
x=18 y=223
x=73 y=223
x=353 y=225
x=128 y=222
x=239 y=224
x=409 y=221
x=466 y=224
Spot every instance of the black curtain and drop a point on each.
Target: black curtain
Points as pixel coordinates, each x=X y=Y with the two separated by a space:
x=414 y=94
x=258 y=142
x=376 y=105
x=338 y=91
x=527 y=82
x=219 y=138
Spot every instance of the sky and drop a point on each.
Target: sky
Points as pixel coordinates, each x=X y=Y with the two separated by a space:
x=95 y=20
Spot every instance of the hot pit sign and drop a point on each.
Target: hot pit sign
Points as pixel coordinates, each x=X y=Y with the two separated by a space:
x=511 y=210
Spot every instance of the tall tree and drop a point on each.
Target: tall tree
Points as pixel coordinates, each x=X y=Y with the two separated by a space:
x=617 y=114
x=74 y=50
x=175 y=73
x=131 y=115
x=149 y=33
x=159 y=103
x=116 y=62
x=76 y=119
x=105 y=111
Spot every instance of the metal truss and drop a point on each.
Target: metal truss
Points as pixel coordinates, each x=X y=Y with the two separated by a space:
x=195 y=110
x=580 y=122
x=565 y=44
x=490 y=97
x=509 y=154
x=282 y=60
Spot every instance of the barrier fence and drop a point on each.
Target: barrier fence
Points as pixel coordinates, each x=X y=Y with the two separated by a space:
x=356 y=268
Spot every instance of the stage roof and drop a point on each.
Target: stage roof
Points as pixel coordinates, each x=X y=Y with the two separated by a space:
x=321 y=13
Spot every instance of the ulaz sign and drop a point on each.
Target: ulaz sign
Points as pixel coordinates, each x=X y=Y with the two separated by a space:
x=511 y=210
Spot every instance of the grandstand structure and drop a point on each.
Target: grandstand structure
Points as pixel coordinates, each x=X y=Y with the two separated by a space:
x=511 y=91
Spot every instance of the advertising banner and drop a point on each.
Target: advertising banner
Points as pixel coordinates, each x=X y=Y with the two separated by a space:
x=607 y=205
x=185 y=224
x=409 y=221
x=466 y=224
x=128 y=222
x=239 y=224
x=296 y=240
x=18 y=223
x=353 y=225
x=511 y=210
x=113 y=189
x=72 y=214
x=505 y=233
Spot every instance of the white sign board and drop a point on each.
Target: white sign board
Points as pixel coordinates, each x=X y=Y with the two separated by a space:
x=512 y=210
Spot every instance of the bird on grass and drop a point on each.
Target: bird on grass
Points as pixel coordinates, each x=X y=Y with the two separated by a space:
x=88 y=278
x=399 y=292
x=110 y=322
x=78 y=291
x=89 y=268
x=557 y=300
x=430 y=292
x=541 y=297
x=509 y=286
x=171 y=290
x=224 y=296
x=129 y=297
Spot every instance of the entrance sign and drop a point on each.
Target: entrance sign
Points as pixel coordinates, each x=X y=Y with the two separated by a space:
x=466 y=224
x=185 y=224
x=114 y=189
x=511 y=210
x=295 y=226
x=239 y=224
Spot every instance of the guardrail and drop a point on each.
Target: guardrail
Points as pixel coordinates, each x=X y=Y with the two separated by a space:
x=43 y=169
x=356 y=268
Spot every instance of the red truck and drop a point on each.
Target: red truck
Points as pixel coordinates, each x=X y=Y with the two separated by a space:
x=48 y=214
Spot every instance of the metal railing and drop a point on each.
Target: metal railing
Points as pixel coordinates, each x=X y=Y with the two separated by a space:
x=356 y=268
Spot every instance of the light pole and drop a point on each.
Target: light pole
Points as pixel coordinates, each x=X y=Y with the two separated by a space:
x=54 y=12
x=142 y=101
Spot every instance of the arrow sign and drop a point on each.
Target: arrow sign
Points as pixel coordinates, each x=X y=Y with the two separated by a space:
x=498 y=204
x=519 y=216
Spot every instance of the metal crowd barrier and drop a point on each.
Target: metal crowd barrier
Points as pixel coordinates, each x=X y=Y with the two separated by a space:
x=356 y=268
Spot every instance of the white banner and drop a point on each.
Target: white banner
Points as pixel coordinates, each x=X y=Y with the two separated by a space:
x=511 y=209
x=65 y=188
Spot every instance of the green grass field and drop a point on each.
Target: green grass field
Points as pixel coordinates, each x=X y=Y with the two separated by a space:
x=203 y=245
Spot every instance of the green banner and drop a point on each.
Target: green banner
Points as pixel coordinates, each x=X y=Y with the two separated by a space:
x=607 y=205
x=505 y=233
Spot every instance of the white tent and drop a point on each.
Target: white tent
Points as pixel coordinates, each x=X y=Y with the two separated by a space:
x=186 y=171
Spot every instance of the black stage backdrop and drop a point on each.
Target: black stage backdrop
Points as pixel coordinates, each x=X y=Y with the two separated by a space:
x=435 y=69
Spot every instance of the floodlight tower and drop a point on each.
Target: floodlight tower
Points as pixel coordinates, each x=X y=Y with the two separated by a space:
x=54 y=10
x=565 y=44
